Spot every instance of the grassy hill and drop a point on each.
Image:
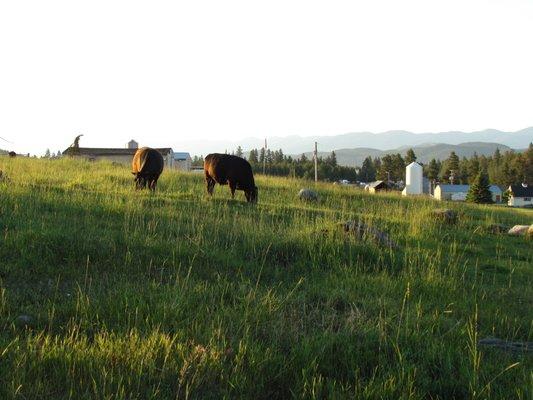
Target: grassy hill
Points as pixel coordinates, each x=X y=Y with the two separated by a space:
x=110 y=293
x=424 y=153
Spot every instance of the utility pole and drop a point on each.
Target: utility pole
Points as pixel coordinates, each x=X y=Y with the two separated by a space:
x=316 y=161
x=264 y=157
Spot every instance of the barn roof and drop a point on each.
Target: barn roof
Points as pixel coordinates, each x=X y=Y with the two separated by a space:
x=99 y=151
x=521 y=191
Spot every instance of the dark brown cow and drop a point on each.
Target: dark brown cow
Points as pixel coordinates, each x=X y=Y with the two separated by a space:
x=147 y=165
x=12 y=154
x=227 y=169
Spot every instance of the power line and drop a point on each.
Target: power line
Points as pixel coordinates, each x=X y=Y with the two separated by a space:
x=5 y=140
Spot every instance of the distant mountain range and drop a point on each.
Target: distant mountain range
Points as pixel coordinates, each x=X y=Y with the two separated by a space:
x=424 y=153
x=379 y=141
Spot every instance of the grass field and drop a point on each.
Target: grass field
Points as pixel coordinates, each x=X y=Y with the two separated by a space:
x=132 y=295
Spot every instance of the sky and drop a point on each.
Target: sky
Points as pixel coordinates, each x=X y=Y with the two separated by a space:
x=167 y=72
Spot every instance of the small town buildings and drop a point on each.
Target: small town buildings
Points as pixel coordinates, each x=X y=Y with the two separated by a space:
x=520 y=195
x=181 y=161
x=459 y=192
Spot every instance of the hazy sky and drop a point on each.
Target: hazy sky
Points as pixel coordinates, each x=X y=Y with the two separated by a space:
x=169 y=71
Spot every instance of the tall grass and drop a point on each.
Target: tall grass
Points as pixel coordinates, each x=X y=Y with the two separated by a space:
x=176 y=295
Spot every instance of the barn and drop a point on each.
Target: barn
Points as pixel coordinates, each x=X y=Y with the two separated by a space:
x=125 y=155
x=520 y=195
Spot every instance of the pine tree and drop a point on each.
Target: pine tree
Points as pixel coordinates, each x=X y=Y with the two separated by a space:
x=47 y=153
x=368 y=171
x=410 y=157
x=239 y=152
x=479 y=191
x=253 y=156
x=332 y=159
x=433 y=170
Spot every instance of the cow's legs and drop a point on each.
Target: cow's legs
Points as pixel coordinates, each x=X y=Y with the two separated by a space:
x=210 y=184
x=233 y=187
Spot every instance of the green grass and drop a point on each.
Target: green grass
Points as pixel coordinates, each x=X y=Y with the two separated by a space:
x=174 y=295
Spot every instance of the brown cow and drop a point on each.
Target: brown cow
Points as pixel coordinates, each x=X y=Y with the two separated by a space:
x=147 y=165
x=235 y=171
x=12 y=154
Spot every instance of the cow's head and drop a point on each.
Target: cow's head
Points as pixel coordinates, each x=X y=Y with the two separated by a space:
x=251 y=195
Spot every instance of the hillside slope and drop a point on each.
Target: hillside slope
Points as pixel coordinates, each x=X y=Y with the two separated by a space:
x=111 y=293
x=424 y=153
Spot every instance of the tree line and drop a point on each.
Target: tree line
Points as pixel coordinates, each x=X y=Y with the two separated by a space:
x=501 y=168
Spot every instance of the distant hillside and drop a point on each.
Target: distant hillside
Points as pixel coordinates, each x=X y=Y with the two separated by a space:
x=380 y=141
x=424 y=153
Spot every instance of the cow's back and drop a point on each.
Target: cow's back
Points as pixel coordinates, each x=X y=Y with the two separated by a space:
x=224 y=167
x=147 y=161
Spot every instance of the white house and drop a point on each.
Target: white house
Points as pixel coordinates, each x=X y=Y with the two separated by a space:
x=520 y=195
x=459 y=192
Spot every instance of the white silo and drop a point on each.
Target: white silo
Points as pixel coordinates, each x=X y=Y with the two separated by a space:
x=413 y=179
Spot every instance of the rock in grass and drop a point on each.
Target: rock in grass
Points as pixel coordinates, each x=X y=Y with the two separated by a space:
x=24 y=321
x=363 y=231
x=445 y=215
x=519 y=230
x=307 y=195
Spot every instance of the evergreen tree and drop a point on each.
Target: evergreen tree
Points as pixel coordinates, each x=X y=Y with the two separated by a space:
x=450 y=168
x=253 y=156
x=398 y=168
x=47 y=153
x=433 y=170
x=410 y=157
x=479 y=191
x=262 y=155
x=367 y=172
x=239 y=152
x=332 y=159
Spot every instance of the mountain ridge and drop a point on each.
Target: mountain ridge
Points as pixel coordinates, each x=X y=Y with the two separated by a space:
x=393 y=139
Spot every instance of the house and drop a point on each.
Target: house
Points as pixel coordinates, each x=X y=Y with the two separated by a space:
x=459 y=192
x=520 y=195
x=182 y=161
x=118 y=155
x=377 y=186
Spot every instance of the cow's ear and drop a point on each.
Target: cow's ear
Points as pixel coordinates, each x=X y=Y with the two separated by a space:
x=134 y=173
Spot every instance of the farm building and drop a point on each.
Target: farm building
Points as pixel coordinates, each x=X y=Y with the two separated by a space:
x=377 y=186
x=520 y=196
x=459 y=192
x=414 y=182
x=182 y=161
x=125 y=155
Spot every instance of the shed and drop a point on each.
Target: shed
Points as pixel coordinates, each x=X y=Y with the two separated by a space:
x=378 y=186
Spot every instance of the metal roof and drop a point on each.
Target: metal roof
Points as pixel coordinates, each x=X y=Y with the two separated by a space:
x=181 y=155
x=464 y=188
